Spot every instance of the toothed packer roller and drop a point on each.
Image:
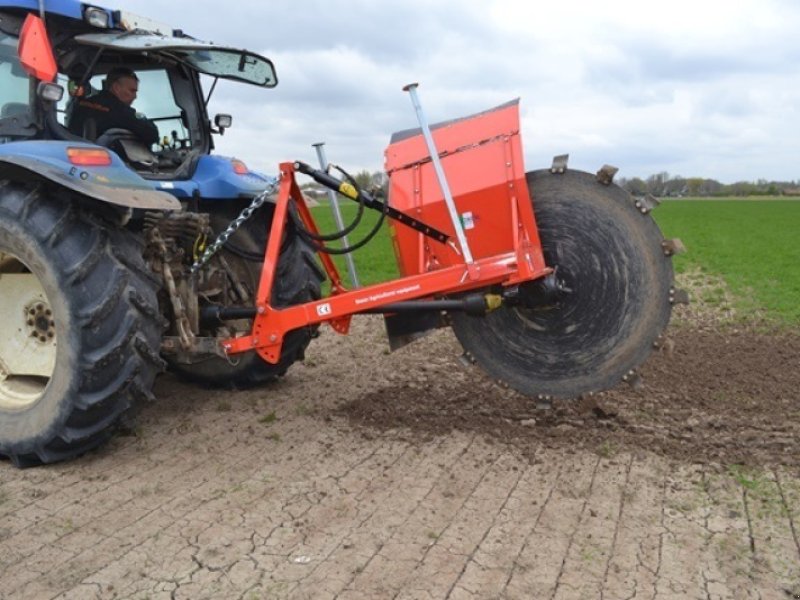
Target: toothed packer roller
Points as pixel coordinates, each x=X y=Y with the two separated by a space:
x=614 y=303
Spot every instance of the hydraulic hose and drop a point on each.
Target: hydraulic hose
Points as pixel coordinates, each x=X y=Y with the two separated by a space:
x=316 y=241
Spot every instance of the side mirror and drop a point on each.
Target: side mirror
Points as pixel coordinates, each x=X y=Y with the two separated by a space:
x=223 y=122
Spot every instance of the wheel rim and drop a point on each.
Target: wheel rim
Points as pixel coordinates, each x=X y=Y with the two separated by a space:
x=28 y=346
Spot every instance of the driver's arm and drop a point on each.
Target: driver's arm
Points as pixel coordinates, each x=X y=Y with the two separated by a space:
x=144 y=128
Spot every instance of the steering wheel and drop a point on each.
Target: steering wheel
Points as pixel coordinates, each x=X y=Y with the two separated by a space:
x=113 y=135
x=128 y=145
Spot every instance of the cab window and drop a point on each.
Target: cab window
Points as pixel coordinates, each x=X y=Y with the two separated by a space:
x=154 y=100
x=14 y=82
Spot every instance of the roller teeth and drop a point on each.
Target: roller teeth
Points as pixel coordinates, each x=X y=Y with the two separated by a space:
x=677 y=296
x=647 y=204
x=672 y=247
x=651 y=202
x=560 y=164
x=606 y=174
x=466 y=359
x=633 y=379
x=665 y=345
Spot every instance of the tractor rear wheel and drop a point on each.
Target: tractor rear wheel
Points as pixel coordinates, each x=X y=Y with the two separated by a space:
x=239 y=264
x=615 y=303
x=81 y=326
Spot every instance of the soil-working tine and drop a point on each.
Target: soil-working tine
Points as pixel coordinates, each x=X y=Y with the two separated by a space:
x=633 y=379
x=672 y=247
x=646 y=204
x=606 y=174
x=664 y=345
x=466 y=359
x=560 y=164
x=677 y=296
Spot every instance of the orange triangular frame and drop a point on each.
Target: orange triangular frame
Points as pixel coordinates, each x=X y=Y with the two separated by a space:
x=35 y=51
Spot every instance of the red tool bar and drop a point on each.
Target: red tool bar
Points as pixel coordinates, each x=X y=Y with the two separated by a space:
x=271 y=324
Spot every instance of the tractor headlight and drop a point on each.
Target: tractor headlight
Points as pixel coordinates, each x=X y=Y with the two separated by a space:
x=52 y=92
x=223 y=121
x=97 y=17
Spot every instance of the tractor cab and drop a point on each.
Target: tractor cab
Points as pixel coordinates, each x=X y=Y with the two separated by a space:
x=167 y=63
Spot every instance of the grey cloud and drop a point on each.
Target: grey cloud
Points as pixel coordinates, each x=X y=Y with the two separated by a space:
x=387 y=30
x=646 y=100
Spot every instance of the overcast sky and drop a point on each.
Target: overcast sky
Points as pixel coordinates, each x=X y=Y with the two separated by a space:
x=692 y=87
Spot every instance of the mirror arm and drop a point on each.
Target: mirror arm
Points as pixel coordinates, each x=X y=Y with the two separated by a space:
x=211 y=91
x=88 y=75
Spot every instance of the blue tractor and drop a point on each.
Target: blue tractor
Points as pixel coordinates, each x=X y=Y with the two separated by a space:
x=127 y=247
x=99 y=230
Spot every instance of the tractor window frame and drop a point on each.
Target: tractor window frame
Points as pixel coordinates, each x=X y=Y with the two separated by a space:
x=202 y=57
x=162 y=99
x=15 y=85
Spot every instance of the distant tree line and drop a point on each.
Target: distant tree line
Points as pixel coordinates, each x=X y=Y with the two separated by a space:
x=664 y=184
x=660 y=185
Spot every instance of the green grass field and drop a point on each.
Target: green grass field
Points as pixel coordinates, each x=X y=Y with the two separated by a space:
x=753 y=245
x=374 y=262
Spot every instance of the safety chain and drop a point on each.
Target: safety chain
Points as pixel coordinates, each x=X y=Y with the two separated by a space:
x=257 y=202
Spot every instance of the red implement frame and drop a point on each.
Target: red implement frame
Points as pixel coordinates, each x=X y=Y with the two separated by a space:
x=485 y=170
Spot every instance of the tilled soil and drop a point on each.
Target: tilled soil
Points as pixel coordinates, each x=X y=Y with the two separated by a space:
x=729 y=397
x=366 y=475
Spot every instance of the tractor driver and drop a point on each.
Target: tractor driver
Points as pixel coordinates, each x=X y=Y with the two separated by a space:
x=111 y=108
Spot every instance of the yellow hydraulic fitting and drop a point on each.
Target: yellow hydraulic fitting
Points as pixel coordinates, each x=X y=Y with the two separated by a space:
x=493 y=302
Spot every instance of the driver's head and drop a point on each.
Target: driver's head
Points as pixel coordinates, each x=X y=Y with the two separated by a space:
x=123 y=83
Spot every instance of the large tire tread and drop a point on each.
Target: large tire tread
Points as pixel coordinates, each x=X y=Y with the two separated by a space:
x=298 y=279
x=113 y=319
x=610 y=257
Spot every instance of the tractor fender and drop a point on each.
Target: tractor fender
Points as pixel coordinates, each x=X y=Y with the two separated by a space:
x=114 y=183
x=216 y=178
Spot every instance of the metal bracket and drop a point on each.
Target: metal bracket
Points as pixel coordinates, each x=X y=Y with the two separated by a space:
x=560 y=164
x=633 y=379
x=201 y=346
x=672 y=247
x=606 y=174
x=647 y=204
x=677 y=296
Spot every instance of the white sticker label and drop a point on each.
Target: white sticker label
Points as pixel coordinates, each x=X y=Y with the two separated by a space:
x=467 y=221
x=167 y=184
x=324 y=309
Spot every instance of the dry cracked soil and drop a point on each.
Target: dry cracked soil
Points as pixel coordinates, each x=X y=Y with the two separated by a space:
x=364 y=474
